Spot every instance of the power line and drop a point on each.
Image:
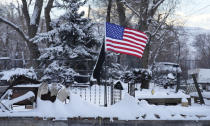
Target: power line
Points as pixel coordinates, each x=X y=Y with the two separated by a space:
x=196 y=11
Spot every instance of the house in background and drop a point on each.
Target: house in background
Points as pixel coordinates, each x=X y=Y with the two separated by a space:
x=202 y=76
x=166 y=74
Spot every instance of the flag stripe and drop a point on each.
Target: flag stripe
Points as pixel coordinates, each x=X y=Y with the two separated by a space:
x=128 y=42
x=124 y=52
x=136 y=31
x=124 y=48
x=134 y=34
x=134 y=38
x=134 y=41
x=124 y=45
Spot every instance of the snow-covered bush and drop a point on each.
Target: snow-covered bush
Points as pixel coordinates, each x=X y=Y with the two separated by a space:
x=137 y=76
x=55 y=72
x=114 y=69
x=69 y=44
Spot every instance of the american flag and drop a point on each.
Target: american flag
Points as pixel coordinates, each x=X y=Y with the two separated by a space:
x=125 y=40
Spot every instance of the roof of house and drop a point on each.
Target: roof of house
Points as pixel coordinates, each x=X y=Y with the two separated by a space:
x=8 y=74
x=203 y=75
x=167 y=67
x=18 y=76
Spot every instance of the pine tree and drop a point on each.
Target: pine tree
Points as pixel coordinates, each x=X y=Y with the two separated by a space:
x=69 y=43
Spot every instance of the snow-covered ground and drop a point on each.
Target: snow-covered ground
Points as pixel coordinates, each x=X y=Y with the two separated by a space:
x=89 y=101
x=204 y=94
x=129 y=108
x=159 y=93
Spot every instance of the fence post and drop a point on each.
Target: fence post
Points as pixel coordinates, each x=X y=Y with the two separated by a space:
x=132 y=89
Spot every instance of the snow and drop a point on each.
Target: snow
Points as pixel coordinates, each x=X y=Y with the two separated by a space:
x=204 y=94
x=4 y=58
x=171 y=76
x=28 y=85
x=167 y=66
x=6 y=75
x=159 y=93
x=184 y=100
x=129 y=108
x=203 y=76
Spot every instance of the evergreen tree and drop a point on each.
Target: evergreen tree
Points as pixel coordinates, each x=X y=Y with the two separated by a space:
x=69 y=43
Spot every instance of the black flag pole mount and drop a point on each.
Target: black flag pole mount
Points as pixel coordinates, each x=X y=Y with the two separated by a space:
x=98 y=67
x=98 y=70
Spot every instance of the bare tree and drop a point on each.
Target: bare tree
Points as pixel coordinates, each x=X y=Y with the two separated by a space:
x=150 y=20
x=203 y=49
x=33 y=21
x=32 y=24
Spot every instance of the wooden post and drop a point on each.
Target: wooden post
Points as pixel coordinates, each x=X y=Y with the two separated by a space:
x=132 y=89
x=128 y=88
x=120 y=94
x=112 y=93
x=89 y=8
x=178 y=82
x=198 y=89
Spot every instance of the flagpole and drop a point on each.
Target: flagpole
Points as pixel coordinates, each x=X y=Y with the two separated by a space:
x=105 y=85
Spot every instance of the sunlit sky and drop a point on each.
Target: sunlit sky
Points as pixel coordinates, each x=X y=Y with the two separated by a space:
x=194 y=13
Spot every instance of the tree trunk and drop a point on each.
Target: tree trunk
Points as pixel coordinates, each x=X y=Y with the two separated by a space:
x=145 y=58
x=143 y=25
x=121 y=13
x=34 y=21
x=33 y=24
x=122 y=21
x=47 y=14
x=108 y=19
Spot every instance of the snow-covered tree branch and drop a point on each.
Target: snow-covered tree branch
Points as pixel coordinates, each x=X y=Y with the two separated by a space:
x=15 y=27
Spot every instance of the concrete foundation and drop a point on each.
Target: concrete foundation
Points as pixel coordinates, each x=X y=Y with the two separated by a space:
x=33 y=121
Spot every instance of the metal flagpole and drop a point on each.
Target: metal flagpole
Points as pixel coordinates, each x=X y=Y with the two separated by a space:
x=105 y=84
